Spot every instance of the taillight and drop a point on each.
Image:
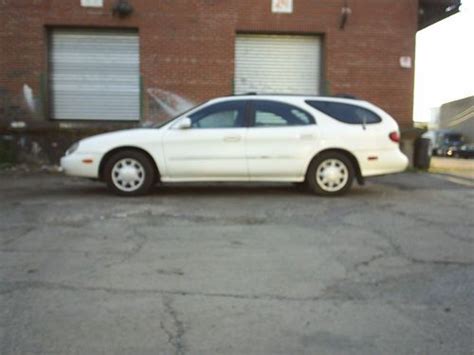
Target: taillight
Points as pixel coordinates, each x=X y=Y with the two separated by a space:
x=394 y=137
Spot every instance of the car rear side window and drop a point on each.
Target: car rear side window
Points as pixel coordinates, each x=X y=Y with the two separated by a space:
x=278 y=114
x=346 y=113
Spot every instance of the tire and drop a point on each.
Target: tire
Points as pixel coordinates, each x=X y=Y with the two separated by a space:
x=334 y=182
x=129 y=173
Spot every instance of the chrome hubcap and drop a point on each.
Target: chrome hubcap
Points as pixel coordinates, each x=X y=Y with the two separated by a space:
x=332 y=175
x=128 y=174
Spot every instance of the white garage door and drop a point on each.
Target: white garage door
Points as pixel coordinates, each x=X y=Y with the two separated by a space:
x=94 y=75
x=277 y=64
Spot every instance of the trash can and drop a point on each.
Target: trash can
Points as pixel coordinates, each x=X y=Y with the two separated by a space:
x=423 y=151
x=7 y=150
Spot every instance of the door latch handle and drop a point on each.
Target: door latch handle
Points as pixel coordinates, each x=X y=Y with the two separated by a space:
x=232 y=139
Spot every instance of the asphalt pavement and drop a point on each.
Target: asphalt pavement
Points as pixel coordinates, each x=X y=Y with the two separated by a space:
x=236 y=269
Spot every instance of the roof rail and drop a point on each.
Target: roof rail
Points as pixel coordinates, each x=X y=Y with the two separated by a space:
x=254 y=93
x=346 y=96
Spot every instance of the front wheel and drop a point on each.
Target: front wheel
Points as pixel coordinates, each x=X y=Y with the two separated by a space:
x=129 y=173
x=330 y=174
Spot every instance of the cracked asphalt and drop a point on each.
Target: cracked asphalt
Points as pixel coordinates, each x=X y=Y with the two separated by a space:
x=236 y=269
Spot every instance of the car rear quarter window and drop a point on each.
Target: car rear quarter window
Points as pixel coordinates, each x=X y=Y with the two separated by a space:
x=346 y=113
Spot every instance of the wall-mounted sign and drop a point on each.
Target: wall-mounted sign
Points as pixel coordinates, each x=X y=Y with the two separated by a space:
x=405 y=62
x=92 y=3
x=282 y=6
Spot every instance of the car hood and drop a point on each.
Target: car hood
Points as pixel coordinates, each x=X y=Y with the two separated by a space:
x=137 y=137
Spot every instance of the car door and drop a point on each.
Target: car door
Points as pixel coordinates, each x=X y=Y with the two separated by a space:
x=280 y=141
x=213 y=148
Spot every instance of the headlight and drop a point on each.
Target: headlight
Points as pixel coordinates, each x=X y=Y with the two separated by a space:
x=72 y=148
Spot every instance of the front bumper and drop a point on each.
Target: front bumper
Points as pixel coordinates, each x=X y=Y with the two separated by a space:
x=83 y=165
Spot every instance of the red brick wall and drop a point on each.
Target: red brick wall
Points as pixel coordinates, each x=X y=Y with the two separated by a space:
x=362 y=59
x=187 y=47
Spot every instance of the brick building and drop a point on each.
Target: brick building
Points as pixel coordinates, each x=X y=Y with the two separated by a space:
x=69 y=68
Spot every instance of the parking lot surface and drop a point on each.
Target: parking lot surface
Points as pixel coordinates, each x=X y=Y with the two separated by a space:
x=236 y=269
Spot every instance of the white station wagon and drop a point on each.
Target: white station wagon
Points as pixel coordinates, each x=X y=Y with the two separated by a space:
x=322 y=142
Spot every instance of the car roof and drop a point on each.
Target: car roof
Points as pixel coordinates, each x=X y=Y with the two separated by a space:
x=289 y=97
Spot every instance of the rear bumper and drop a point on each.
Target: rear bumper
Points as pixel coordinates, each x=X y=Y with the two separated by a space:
x=83 y=165
x=387 y=162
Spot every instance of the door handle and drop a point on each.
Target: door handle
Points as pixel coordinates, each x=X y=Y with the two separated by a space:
x=232 y=139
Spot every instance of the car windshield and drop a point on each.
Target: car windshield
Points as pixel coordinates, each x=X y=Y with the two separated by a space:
x=161 y=124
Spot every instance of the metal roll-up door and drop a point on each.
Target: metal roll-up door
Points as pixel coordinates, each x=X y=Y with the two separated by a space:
x=94 y=75
x=277 y=64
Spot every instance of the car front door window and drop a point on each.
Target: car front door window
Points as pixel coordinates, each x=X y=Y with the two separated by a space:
x=221 y=115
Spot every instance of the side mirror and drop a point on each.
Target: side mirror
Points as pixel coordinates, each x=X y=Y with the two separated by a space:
x=185 y=123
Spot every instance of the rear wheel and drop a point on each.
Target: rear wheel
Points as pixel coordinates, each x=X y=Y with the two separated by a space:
x=129 y=173
x=330 y=174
